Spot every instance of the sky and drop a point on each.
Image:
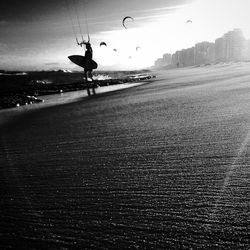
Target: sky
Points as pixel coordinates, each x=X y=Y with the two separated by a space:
x=40 y=35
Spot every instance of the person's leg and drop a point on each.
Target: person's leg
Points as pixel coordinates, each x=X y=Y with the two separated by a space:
x=91 y=75
x=86 y=80
x=85 y=75
x=93 y=89
x=92 y=83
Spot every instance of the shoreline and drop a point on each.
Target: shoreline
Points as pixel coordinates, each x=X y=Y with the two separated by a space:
x=19 y=90
x=6 y=115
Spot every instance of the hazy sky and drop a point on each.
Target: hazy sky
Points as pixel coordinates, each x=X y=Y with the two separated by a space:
x=41 y=34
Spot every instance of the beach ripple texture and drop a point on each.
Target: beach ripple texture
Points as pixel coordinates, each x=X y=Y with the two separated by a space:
x=164 y=165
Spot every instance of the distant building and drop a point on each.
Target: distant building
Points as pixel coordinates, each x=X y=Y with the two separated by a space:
x=183 y=58
x=204 y=53
x=219 y=50
x=164 y=61
x=187 y=57
x=247 y=50
x=167 y=59
x=176 y=59
x=211 y=52
x=158 y=63
x=232 y=46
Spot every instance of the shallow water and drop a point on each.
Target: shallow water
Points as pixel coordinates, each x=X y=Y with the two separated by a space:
x=158 y=166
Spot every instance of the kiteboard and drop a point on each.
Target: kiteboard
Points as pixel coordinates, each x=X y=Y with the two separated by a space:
x=81 y=61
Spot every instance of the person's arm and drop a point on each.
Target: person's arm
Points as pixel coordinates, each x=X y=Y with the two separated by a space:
x=81 y=43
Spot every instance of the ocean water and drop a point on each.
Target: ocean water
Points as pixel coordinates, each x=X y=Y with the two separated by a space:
x=159 y=166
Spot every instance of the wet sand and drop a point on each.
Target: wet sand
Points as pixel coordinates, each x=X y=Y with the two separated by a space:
x=59 y=99
x=164 y=165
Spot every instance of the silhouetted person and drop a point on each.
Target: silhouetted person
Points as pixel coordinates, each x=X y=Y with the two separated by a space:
x=88 y=64
x=88 y=58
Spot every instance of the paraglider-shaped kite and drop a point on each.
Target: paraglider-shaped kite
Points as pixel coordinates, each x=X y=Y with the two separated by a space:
x=125 y=19
x=115 y=50
x=103 y=43
x=189 y=21
x=137 y=48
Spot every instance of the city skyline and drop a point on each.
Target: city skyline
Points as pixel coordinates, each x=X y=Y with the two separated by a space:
x=231 y=46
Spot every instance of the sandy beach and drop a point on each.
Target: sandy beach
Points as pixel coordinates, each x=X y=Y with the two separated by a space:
x=164 y=165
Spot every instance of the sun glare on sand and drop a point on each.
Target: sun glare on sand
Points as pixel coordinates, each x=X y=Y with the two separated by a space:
x=165 y=33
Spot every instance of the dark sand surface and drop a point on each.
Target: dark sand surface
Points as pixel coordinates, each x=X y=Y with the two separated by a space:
x=164 y=165
x=57 y=99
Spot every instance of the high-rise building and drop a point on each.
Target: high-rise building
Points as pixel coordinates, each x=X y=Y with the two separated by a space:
x=204 y=53
x=232 y=46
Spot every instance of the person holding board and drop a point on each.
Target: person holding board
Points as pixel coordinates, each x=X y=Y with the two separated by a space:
x=88 y=60
x=87 y=63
